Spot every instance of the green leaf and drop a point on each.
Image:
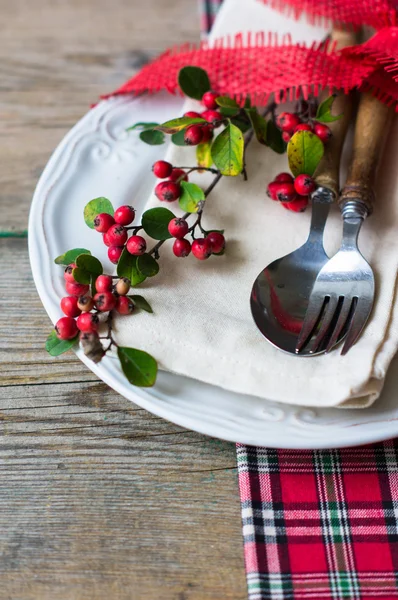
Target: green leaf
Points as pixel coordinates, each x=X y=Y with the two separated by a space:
x=227 y=102
x=191 y=195
x=304 y=152
x=127 y=267
x=70 y=256
x=152 y=137
x=155 y=222
x=55 y=346
x=227 y=151
x=176 y=125
x=259 y=125
x=89 y=263
x=139 y=367
x=203 y=155
x=248 y=103
x=147 y=265
x=92 y=283
x=141 y=303
x=229 y=112
x=142 y=126
x=274 y=138
x=178 y=139
x=94 y=208
x=81 y=276
x=194 y=82
x=324 y=114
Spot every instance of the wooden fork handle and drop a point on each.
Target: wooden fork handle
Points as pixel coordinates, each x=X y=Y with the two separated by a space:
x=327 y=173
x=370 y=132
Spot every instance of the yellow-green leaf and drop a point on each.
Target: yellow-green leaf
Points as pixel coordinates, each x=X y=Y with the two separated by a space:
x=203 y=155
x=176 y=125
x=304 y=152
x=55 y=346
x=191 y=196
x=227 y=151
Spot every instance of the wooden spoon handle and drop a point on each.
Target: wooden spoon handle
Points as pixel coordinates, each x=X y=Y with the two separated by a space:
x=328 y=172
x=370 y=132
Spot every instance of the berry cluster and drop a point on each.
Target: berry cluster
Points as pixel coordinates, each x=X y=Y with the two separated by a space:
x=290 y=123
x=292 y=193
x=169 y=190
x=115 y=233
x=82 y=310
x=200 y=134
x=201 y=248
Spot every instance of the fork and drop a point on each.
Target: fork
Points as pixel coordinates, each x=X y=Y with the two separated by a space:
x=343 y=294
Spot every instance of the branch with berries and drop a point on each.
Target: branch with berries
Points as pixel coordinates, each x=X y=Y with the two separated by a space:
x=221 y=134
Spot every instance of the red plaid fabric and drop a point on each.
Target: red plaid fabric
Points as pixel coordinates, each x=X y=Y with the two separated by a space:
x=320 y=525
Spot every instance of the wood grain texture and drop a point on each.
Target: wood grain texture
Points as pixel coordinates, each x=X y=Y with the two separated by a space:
x=99 y=499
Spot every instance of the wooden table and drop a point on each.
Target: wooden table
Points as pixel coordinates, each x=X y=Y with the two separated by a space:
x=98 y=498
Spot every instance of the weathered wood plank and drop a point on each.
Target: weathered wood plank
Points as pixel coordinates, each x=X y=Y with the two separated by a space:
x=56 y=59
x=100 y=499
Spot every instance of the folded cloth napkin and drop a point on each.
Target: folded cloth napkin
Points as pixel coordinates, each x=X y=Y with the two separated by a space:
x=203 y=326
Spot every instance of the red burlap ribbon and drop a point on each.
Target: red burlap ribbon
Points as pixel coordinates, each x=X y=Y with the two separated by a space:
x=258 y=64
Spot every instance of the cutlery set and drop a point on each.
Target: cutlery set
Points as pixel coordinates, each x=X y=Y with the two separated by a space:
x=306 y=303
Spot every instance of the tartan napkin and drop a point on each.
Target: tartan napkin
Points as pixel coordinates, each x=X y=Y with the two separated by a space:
x=318 y=524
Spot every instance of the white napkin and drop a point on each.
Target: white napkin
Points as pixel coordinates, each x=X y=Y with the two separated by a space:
x=202 y=325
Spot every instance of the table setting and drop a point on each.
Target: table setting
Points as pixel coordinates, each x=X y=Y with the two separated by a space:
x=282 y=342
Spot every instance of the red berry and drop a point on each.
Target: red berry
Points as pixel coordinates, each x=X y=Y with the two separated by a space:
x=117 y=235
x=162 y=169
x=273 y=189
x=105 y=301
x=102 y=222
x=66 y=328
x=298 y=205
x=303 y=127
x=193 y=135
x=178 y=175
x=124 y=305
x=136 y=245
x=103 y=283
x=124 y=215
x=69 y=306
x=191 y=114
x=286 y=192
x=181 y=248
x=209 y=100
x=304 y=185
x=286 y=136
x=68 y=273
x=201 y=248
x=76 y=289
x=212 y=116
x=288 y=121
x=114 y=253
x=284 y=178
x=217 y=242
x=178 y=228
x=168 y=191
x=88 y=322
x=85 y=303
x=106 y=240
x=207 y=133
x=323 y=132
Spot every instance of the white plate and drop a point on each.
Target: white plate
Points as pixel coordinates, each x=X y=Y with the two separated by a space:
x=98 y=158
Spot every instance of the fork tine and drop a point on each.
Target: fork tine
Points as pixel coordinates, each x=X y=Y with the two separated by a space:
x=358 y=322
x=312 y=315
x=329 y=313
x=340 y=324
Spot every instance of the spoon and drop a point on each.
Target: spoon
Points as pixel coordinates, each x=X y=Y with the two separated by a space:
x=280 y=294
